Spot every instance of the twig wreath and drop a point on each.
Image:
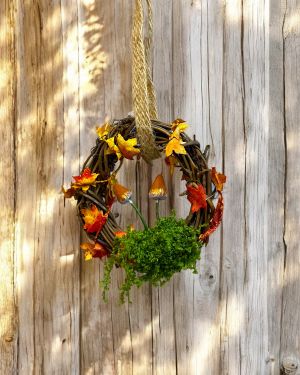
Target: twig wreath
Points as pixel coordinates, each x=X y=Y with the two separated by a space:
x=155 y=253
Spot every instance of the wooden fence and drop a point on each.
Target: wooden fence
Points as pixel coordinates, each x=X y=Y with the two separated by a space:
x=230 y=68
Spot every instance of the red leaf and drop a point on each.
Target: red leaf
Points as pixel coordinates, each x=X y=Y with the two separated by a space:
x=197 y=196
x=94 y=219
x=94 y=250
x=215 y=220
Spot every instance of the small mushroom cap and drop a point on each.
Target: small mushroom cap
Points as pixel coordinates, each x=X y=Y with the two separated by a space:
x=122 y=194
x=158 y=190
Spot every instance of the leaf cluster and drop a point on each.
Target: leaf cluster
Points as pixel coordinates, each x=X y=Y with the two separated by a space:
x=153 y=255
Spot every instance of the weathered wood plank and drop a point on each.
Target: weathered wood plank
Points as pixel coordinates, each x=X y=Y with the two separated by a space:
x=122 y=332
x=208 y=129
x=276 y=172
x=290 y=333
x=47 y=269
x=163 y=325
x=97 y=345
x=97 y=341
x=244 y=287
x=8 y=338
x=233 y=248
x=186 y=71
x=255 y=77
x=197 y=77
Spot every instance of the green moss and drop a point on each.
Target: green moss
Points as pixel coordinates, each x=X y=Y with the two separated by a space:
x=153 y=255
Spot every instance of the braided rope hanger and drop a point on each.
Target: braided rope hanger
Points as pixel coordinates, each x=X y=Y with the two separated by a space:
x=143 y=92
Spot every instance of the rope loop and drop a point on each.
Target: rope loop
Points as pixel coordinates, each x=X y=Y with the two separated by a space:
x=143 y=92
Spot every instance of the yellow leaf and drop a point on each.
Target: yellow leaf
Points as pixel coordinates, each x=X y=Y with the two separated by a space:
x=175 y=145
x=103 y=130
x=113 y=148
x=127 y=148
x=178 y=127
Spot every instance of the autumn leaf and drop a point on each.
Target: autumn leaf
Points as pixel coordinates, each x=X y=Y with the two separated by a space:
x=197 y=196
x=178 y=127
x=94 y=250
x=94 y=219
x=113 y=148
x=175 y=145
x=68 y=193
x=85 y=180
x=218 y=179
x=103 y=130
x=127 y=148
x=215 y=220
x=120 y=234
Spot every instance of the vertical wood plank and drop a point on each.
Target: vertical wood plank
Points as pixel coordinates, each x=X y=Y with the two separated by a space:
x=97 y=341
x=232 y=266
x=276 y=168
x=8 y=322
x=163 y=325
x=185 y=72
x=241 y=289
x=244 y=261
x=255 y=75
x=47 y=268
x=290 y=334
x=197 y=81
x=126 y=337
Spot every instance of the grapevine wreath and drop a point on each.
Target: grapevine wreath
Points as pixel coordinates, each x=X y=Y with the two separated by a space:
x=173 y=244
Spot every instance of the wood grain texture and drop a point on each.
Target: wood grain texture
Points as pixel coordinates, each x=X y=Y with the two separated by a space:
x=290 y=329
x=276 y=168
x=230 y=69
x=8 y=323
x=163 y=322
x=197 y=75
x=47 y=232
x=255 y=75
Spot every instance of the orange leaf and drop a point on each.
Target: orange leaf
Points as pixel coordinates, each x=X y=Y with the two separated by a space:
x=197 y=196
x=69 y=193
x=120 y=234
x=94 y=219
x=215 y=220
x=218 y=179
x=175 y=145
x=85 y=180
x=94 y=250
x=127 y=148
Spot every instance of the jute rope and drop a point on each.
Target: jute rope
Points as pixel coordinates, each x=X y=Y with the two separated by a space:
x=143 y=93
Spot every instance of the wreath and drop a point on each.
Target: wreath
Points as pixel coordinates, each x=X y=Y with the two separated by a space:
x=173 y=244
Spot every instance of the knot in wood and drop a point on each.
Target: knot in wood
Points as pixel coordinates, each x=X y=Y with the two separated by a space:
x=289 y=366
